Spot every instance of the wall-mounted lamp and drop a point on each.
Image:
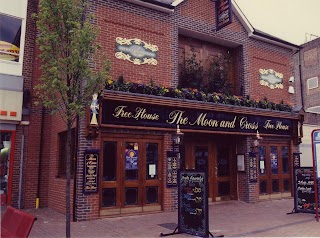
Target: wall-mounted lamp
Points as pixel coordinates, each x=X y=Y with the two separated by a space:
x=177 y=138
x=256 y=141
x=291 y=88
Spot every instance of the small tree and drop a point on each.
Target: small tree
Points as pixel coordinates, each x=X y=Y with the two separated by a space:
x=66 y=39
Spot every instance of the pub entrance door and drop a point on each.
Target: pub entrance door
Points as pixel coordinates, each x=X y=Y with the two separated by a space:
x=274 y=170
x=218 y=160
x=131 y=174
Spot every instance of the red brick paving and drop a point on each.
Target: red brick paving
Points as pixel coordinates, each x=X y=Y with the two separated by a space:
x=231 y=219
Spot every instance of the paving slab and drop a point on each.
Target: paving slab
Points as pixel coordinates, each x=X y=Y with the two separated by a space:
x=229 y=218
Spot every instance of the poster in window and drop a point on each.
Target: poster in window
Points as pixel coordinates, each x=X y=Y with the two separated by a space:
x=10 y=34
x=274 y=161
x=131 y=159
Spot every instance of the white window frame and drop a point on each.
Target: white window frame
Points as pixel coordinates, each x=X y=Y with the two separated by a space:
x=310 y=79
x=15 y=9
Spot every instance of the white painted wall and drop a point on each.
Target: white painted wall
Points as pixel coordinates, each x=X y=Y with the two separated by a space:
x=306 y=146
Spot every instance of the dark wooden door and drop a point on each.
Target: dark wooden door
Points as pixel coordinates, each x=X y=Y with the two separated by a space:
x=131 y=174
x=274 y=169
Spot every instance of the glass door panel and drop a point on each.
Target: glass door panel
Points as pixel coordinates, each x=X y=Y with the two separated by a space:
x=274 y=169
x=223 y=172
x=274 y=159
x=131 y=175
x=131 y=160
x=152 y=161
x=109 y=170
x=201 y=158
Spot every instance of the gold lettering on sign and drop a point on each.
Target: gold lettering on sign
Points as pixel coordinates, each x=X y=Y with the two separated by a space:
x=228 y=124
x=244 y=124
x=280 y=126
x=120 y=112
x=268 y=125
x=141 y=113
x=277 y=126
x=176 y=117
x=203 y=121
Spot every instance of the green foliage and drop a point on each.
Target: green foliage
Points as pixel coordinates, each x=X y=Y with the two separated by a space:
x=194 y=94
x=217 y=75
x=192 y=73
x=66 y=39
x=211 y=79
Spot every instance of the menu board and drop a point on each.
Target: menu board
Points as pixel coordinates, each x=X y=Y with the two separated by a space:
x=304 y=197
x=253 y=166
x=172 y=168
x=193 y=203
x=90 y=180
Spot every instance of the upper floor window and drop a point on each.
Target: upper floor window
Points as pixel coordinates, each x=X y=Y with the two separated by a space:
x=10 y=37
x=205 y=66
x=313 y=83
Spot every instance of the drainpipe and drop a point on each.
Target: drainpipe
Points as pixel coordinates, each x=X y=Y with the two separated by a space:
x=40 y=158
x=300 y=76
x=21 y=171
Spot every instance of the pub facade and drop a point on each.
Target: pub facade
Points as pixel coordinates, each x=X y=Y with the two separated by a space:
x=196 y=68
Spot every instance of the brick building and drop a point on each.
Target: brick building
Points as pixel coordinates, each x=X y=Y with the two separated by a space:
x=16 y=71
x=243 y=134
x=307 y=73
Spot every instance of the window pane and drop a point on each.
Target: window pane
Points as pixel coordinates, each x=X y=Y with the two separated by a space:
x=263 y=187
x=285 y=159
x=286 y=185
x=108 y=197
x=223 y=188
x=10 y=34
x=201 y=158
x=223 y=162
x=131 y=160
x=152 y=195
x=274 y=159
x=152 y=161
x=131 y=196
x=262 y=160
x=109 y=161
x=275 y=185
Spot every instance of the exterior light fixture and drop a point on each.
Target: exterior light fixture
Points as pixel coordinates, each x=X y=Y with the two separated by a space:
x=291 y=88
x=256 y=141
x=177 y=138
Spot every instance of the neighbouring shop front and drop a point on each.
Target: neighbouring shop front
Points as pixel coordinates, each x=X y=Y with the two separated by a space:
x=136 y=135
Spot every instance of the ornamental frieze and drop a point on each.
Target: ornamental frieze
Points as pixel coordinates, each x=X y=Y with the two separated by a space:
x=136 y=51
x=271 y=78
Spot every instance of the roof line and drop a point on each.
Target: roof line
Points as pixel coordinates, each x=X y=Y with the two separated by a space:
x=257 y=34
x=167 y=8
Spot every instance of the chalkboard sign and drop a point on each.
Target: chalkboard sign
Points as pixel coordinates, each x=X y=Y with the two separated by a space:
x=90 y=180
x=304 y=197
x=193 y=203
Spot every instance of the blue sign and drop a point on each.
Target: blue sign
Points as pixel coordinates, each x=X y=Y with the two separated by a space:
x=315 y=136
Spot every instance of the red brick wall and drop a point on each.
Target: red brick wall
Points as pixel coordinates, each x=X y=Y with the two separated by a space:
x=264 y=56
x=126 y=24
x=123 y=19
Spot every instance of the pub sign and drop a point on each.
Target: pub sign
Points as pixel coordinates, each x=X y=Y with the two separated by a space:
x=126 y=113
x=91 y=171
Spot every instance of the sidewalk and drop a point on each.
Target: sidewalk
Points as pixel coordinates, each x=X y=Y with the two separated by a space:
x=231 y=219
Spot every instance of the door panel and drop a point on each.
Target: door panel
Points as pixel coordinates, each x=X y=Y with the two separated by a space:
x=216 y=160
x=131 y=175
x=274 y=169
